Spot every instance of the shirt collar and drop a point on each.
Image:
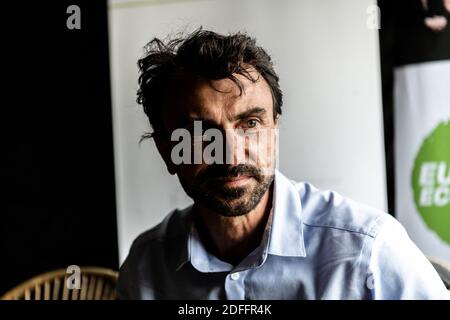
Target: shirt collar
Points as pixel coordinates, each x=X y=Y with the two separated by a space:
x=283 y=235
x=286 y=236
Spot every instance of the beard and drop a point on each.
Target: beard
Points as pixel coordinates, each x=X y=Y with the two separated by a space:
x=209 y=190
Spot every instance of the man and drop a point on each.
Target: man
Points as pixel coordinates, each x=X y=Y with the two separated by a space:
x=251 y=232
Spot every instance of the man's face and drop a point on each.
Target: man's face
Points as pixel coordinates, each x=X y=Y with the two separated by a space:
x=235 y=185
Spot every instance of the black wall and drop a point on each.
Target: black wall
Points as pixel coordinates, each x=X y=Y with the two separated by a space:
x=58 y=203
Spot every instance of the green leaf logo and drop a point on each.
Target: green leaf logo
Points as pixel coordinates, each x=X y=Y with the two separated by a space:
x=431 y=180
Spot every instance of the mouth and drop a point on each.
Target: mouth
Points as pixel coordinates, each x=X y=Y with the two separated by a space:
x=233 y=181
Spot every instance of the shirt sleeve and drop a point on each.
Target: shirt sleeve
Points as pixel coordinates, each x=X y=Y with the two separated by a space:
x=399 y=270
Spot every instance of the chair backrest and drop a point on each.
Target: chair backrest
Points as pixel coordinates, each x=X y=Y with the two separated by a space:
x=96 y=284
x=443 y=269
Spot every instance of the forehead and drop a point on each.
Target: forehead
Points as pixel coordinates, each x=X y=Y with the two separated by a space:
x=197 y=97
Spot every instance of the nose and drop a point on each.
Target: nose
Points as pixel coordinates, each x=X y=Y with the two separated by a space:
x=236 y=145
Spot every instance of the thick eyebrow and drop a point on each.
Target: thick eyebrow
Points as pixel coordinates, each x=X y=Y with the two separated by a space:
x=187 y=121
x=255 y=111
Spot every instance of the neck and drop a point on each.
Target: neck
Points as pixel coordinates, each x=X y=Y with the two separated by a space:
x=231 y=239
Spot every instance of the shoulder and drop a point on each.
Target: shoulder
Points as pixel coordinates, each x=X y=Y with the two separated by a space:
x=386 y=252
x=173 y=226
x=147 y=259
x=329 y=209
x=153 y=244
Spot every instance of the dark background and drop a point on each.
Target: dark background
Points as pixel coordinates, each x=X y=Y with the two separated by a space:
x=58 y=205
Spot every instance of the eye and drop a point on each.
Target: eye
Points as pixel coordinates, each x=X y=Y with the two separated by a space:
x=251 y=123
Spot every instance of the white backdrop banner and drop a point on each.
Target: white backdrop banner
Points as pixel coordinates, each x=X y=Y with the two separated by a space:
x=422 y=153
x=331 y=131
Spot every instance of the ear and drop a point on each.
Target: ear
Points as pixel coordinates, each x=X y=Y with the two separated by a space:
x=276 y=120
x=164 y=149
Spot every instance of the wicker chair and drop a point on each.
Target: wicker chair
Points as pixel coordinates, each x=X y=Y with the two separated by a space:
x=96 y=284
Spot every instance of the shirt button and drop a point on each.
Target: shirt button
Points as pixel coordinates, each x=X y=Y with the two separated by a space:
x=235 y=276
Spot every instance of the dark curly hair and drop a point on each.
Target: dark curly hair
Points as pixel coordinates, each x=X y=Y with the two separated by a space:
x=202 y=53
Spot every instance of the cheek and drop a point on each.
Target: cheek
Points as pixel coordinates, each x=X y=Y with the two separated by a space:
x=189 y=172
x=263 y=152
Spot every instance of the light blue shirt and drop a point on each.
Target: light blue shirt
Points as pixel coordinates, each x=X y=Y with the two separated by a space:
x=316 y=245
